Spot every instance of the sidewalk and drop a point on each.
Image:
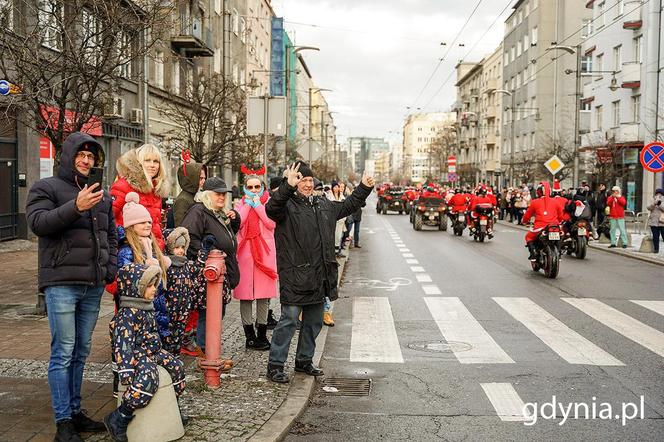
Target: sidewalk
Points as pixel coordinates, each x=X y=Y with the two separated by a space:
x=630 y=252
x=246 y=403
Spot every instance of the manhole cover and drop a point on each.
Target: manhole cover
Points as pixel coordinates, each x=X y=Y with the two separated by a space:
x=440 y=346
x=346 y=387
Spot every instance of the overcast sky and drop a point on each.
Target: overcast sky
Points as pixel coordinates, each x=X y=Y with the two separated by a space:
x=376 y=55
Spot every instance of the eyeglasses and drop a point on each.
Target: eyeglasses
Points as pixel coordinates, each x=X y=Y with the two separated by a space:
x=86 y=156
x=254 y=187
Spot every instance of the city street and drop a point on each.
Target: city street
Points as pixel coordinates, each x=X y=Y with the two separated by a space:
x=457 y=336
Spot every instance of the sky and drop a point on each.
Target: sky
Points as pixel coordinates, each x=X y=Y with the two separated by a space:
x=377 y=55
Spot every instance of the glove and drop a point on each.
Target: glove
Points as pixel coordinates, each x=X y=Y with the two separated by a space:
x=208 y=242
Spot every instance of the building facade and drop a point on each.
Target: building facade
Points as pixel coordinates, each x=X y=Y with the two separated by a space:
x=419 y=135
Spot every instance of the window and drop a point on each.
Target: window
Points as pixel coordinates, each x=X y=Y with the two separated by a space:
x=615 y=107
x=526 y=42
x=533 y=106
x=586 y=63
x=520 y=16
x=585 y=106
x=519 y=48
x=617 y=63
x=190 y=80
x=598 y=117
x=235 y=22
x=525 y=76
x=620 y=8
x=600 y=15
x=637 y=49
x=599 y=64
x=243 y=30
x=49 y=16
x=125 y=50
x=507 y=58
x=175 y=77
x=159 y=69
x=217 y=6
x=532 y=141
x=516 y=144
x=587 y=28
x=217 y=60
x=90 y=43
x=636 y=108
x=512 y=51
x=236 y=73
x=518 y=79
x=535 y=3
x=526 y=9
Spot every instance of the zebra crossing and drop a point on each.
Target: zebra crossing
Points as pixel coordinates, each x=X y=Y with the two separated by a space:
x=374 y=337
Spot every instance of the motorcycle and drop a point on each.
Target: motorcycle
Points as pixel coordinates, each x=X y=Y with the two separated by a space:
x=458 y=222
x=576 y=240
x=484 y=223
x=547 y=251
x=430 y=212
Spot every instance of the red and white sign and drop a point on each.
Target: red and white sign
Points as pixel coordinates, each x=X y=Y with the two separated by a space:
x=451 y=164
x=51 y=116
x=46 y=157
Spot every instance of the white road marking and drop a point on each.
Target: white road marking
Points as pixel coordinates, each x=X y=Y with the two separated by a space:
x=569 y=345
x=423 y=277
x=627 y=326
x=374 y=337
x=417 y=269
x=412 y=261
x=401 y=249
x=431 y=290
x=506 y=401
x=457 y=324
x=655 y=306
x=408 y=255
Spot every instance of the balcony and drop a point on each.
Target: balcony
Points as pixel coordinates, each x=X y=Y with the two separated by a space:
x=491 y=165
x=193 y=39
x=490 y=112
x=474 y=92
x=491 y=85
x=631 y=75
x=632 y=16
x=625 y=133
x=491 y=137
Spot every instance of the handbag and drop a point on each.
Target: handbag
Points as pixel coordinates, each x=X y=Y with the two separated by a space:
x=607 y=210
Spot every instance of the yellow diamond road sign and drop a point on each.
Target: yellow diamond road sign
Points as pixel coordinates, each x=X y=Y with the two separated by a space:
x=554 y=164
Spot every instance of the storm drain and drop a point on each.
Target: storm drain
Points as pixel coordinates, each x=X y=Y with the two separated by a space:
x=346 y=387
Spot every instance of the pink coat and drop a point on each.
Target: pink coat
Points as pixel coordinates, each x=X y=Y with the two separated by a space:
x=254 y=284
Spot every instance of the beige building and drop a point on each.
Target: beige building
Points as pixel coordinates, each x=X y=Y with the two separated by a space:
x=419 y=132
x=258 y=36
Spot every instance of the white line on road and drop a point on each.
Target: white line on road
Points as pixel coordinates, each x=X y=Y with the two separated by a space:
x=408 y=255
x=506 y=401
x=417 y=269
x=457 y=324
x=401 y=249
x=655 y=306
x=569 y=345
x=431 y=290
x=412 y=261
x=627 y=326
x=423 y=277
x=374 y=338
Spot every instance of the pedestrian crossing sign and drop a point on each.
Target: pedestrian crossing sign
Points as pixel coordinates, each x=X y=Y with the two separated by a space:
x=554 y=164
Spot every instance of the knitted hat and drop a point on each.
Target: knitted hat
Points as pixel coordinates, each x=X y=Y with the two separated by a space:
x=133 y=212
x=305 y=170
x=660 y=191
x=179 y=237
x=615 y=189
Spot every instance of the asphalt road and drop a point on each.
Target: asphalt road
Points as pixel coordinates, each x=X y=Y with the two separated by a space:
x=456 y=337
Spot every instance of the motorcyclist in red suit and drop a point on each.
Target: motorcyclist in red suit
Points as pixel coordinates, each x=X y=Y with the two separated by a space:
x=546 y=212
x=483 y=199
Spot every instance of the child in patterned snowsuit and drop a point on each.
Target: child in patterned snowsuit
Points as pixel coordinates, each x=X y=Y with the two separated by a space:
x=137 y=347
x=186 y=286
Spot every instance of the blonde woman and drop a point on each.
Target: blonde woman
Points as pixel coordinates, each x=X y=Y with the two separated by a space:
x=140 y=170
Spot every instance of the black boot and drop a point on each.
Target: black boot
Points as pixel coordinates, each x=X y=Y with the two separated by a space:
x=116 y=424
x=250 y=334
x=276 y=373
x=308 y=367
x=66 y=432
x=84 y=424
x=533 y=251
x=271 y=322
x=262 y=343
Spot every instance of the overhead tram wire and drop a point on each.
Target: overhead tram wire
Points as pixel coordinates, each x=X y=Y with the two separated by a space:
x=495 y=20
x=449 y=48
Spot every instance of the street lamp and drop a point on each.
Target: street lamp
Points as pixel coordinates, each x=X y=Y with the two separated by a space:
x=511 y=94
x=313 y=90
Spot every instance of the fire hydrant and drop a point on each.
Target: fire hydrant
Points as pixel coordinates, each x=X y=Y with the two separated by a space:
x=212 y=364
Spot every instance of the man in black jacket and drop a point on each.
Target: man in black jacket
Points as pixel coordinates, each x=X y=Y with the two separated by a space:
x=306 y=263
x=77 y=257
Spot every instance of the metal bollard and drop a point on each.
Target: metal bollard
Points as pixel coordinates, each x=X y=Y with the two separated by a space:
x=212 y=364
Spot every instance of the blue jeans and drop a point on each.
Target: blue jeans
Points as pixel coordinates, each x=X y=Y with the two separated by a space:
x=656 y=232
x=72 y=316
x=356 y=232
x=618 y=224
x=312 y=322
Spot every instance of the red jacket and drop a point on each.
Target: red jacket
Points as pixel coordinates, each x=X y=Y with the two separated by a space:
x=562 y=202
x=481 y=200
x=458 y=202
x=545 y=210
x=616 y=206
x=428 y=194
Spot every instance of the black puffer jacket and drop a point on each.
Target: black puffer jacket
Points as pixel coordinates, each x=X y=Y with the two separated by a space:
x=304 y=237
x=200 y=222
x=75 y=248
x=189 y=184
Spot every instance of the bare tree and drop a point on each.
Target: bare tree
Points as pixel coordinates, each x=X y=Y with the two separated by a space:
x=69 y=58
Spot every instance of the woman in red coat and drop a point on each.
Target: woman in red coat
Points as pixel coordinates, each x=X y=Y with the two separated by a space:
x=140 y=170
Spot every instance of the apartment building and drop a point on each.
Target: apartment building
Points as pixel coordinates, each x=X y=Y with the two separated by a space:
x=419 y=132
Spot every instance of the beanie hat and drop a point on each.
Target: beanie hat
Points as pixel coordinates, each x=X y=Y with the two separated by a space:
x=305 y=170
x=152 y=274
x=275 y=182
x=133 y=212
x=178 y=237
x=615 y=189
x=660 y=191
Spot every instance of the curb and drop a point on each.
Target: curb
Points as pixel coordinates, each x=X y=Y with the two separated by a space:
x=598 y=247
x=301 y=387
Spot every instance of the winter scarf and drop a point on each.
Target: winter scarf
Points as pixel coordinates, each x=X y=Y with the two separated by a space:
x=253 y=236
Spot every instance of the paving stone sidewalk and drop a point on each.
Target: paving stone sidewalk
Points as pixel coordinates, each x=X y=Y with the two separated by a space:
x=234 y=412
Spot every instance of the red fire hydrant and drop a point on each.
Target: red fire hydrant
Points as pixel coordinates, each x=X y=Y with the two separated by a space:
x=212 y=364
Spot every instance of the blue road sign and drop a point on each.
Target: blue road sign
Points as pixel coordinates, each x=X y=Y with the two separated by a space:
x=652 y=157
x=5 y=87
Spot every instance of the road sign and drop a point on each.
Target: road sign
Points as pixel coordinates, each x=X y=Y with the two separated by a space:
x=451 y=164
x=452 y=177
x=554 y=164
x=652 y=157
x=5 y=87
